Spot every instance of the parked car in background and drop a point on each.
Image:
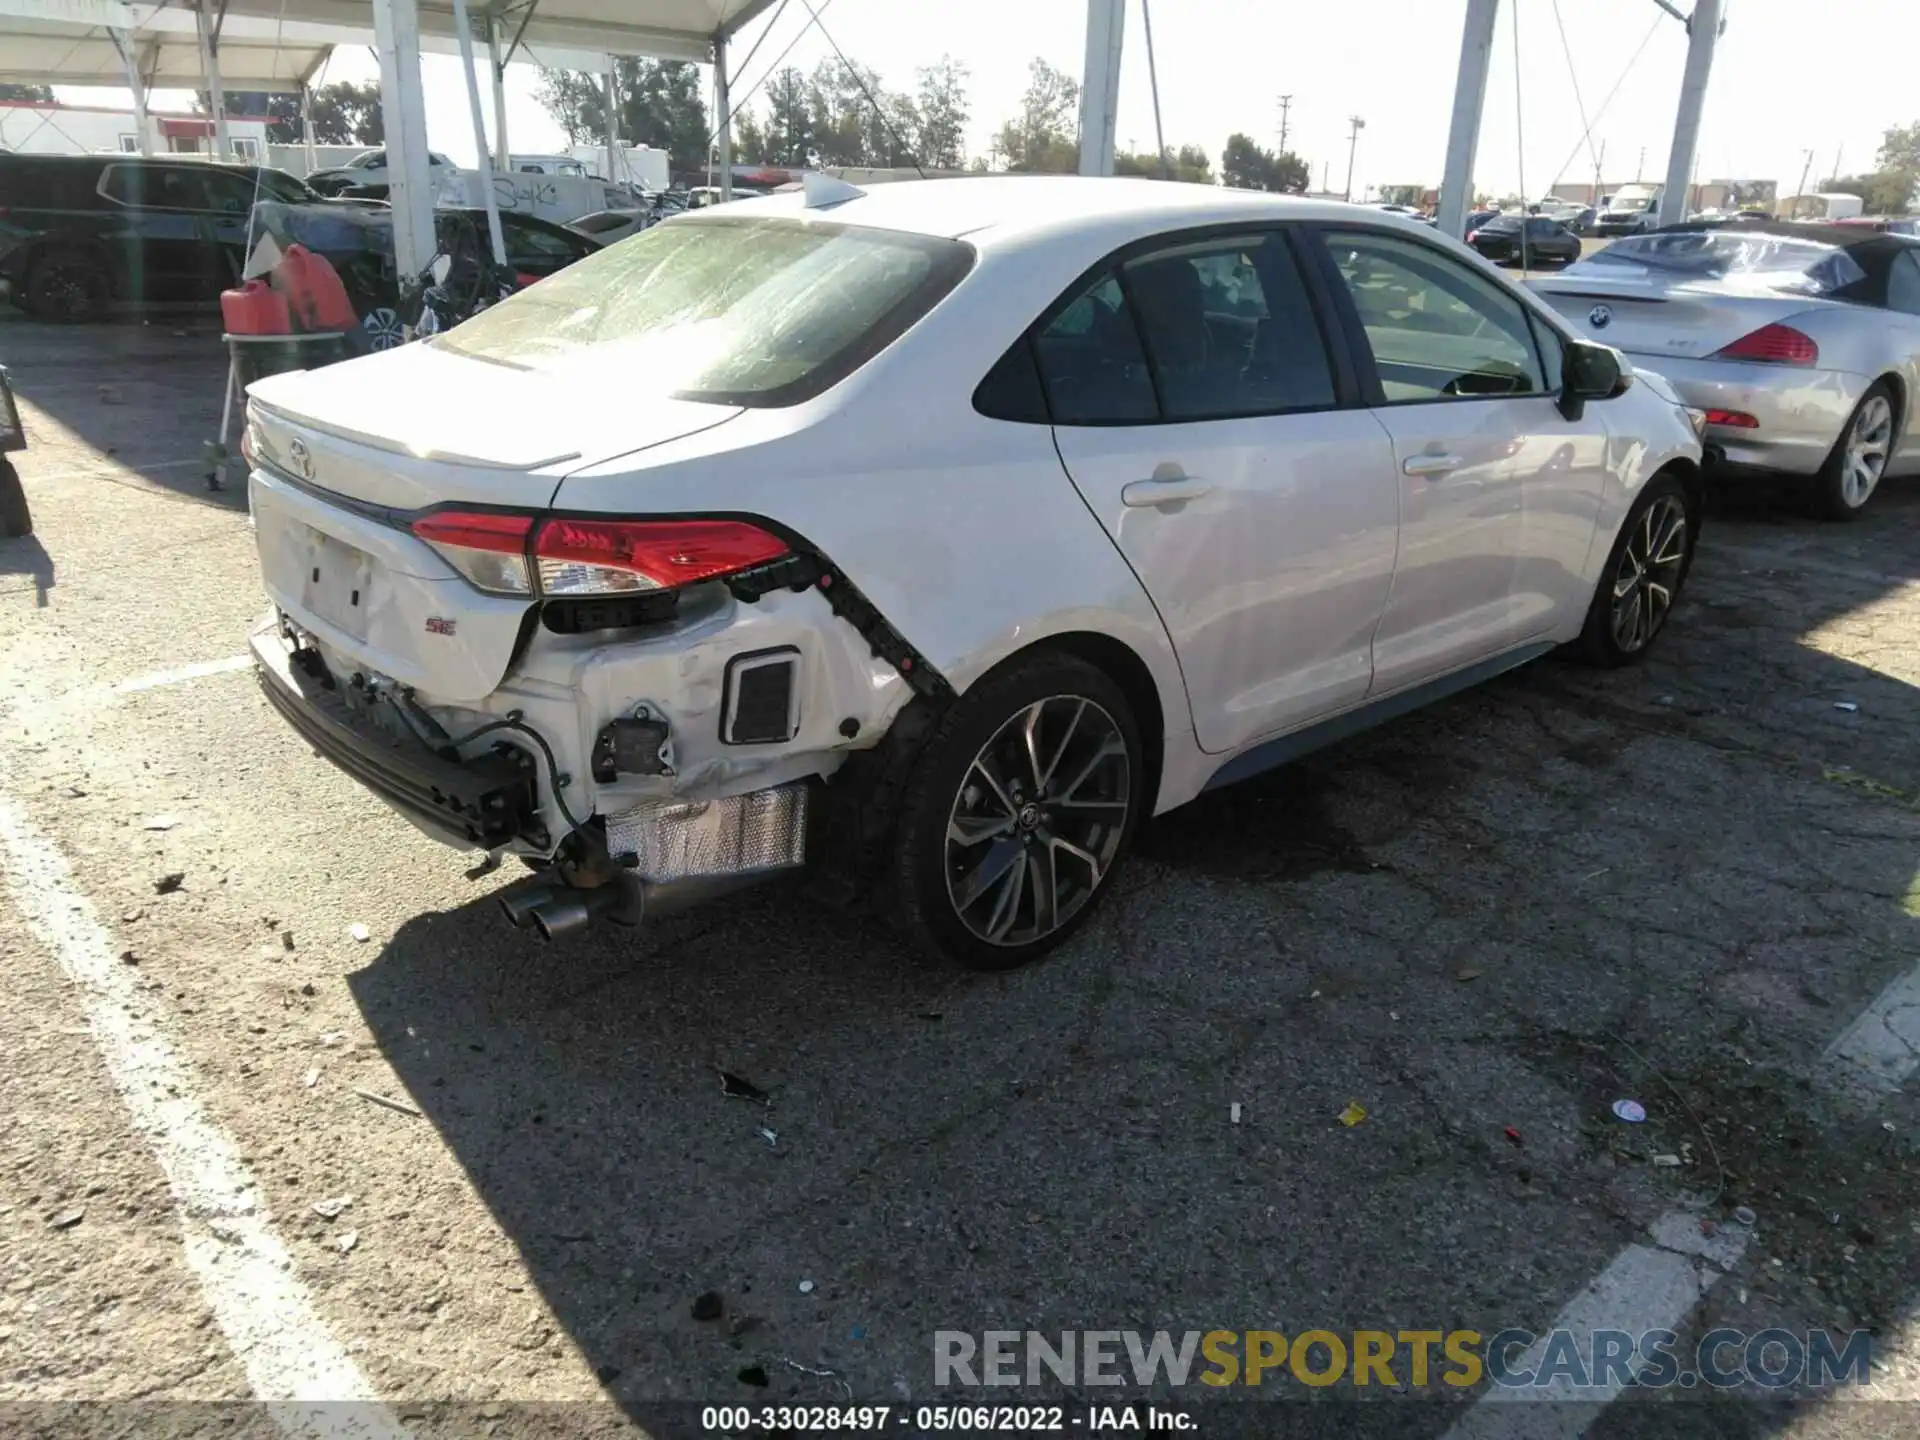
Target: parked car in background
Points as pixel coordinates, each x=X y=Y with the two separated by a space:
x=609 y=226
x=1507 y=238
x=698 y=197
x=79 y=233
x=1477 y=218
x=1801 y=342
x=935 y=536
x=365 y=175
x=1630 y=210
x=356 y=238
x=1886 y=224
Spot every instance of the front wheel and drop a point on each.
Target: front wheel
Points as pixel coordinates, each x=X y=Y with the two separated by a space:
x=1019 y=810
x=1643 y=576
x=1859 y=458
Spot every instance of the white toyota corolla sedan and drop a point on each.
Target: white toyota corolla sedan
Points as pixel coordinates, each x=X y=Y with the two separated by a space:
x=934 y=537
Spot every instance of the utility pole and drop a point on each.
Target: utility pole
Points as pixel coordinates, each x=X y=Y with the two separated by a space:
x=1805 y=170
x=1703 y=31
x=1640 y=165
x=1836 y=162
x=1469 y=101
x=1353 y=145
x=1286 y=104
x=1599 y=168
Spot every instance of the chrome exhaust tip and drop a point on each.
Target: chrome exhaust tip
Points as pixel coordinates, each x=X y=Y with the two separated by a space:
x=557 y=917
x=518 y=905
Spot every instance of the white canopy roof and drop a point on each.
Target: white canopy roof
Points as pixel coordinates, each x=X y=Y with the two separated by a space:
x=277 y=44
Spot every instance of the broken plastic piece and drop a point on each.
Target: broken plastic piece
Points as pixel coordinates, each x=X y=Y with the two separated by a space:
x=1666 y=1162
x=1233 y=1112
x=1353 y=1114
x=1744 y=1215
x=1631 y=1111
x=737 y=1087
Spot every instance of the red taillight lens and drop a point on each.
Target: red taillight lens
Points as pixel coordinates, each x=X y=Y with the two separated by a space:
x=599 y=557
x=1739 y=419
x=1470 y=235
x=489 y=549
x=1773 y=345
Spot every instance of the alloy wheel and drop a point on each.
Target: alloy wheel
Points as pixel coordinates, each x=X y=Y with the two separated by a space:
x=1648 y=575
x=383 y=328
x=1868 y=445
x=1038 y=820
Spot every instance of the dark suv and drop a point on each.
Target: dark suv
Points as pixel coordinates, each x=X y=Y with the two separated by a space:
x=79 y=232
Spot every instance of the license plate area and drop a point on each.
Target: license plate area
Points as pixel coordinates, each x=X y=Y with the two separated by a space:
x=337 y=584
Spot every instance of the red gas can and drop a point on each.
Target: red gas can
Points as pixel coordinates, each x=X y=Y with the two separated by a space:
x=313 y=291
x=255 y=309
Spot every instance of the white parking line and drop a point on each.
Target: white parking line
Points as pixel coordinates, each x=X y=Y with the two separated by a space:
x=1881 y=1048
x=1647 y=1287
x=184 y=672
x=290 y=1354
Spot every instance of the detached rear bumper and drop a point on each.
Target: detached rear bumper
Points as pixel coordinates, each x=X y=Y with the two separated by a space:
x=484 y=802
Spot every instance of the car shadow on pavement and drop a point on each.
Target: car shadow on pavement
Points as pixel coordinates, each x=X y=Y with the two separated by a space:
x=1478 y=926
x=140 y=395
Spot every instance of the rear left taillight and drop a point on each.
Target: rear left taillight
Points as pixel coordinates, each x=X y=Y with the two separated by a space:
x=487 y=547
x=1773 y=345
x=615 y=557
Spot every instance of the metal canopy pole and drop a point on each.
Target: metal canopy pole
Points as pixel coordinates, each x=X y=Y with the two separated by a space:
x=1100 y=85
x=210 y=75
x=123 y=42
x=613 y=122
x=497 y=69
x=1469 y=101
x=396 y=29
x=1702 y=31
x=724 y=136
x=306 y=124
x=464 y=26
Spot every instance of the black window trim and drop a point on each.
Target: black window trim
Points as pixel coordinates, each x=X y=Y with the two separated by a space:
x=1348 y=388
x=1349 y=313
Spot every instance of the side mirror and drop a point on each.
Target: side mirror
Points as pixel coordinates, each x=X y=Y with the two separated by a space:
x=1592 y=372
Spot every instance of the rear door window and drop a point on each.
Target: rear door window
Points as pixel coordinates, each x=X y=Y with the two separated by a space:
x=1092 y=363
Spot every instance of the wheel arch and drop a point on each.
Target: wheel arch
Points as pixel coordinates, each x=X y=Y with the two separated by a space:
x=1119 y=662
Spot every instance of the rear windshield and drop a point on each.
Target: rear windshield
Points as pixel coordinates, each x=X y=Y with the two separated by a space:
x=731 y=309
x=1782 y=261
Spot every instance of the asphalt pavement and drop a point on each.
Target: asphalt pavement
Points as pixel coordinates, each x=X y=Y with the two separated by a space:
x=246 y=1153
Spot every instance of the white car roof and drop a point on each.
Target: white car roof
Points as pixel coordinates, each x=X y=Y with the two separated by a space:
x=999 y=210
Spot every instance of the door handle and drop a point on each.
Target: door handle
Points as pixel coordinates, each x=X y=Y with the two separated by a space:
x=1432 y=464
x=1139 y=494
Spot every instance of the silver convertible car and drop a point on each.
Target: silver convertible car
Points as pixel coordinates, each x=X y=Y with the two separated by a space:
x=1801 y=342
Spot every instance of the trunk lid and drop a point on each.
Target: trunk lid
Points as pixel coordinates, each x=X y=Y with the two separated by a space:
x=1644 y=313
x=419 y=425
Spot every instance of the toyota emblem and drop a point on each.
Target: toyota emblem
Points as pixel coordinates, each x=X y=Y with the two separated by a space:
x=1600 y=317
x=303 y=459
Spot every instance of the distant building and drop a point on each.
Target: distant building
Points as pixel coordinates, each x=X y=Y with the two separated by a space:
x=30 y=127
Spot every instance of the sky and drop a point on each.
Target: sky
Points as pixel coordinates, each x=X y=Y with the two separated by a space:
x=1790 y=76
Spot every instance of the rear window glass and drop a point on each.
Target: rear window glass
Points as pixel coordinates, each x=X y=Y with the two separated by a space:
x=1784 y=261
x=728 y=309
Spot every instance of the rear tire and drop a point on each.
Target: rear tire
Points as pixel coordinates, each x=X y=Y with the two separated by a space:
x=1644 y=574
x=1021 y=805
x=1859 y=457
x=15 y=519
x=71 y=289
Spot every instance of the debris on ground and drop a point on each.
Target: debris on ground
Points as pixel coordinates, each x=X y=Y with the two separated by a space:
x=1513 y=1136
x=311 y=1078
x=128 y=917
x=1744 y=1215
x=821 y=1371
x=169 y=882
x=286 y=939
x=1468 y=972
x=127 y=957
x=752 y=1375
x=74 y=792
x=738 y=1087
x=330 y=1208
x=1666 y=1162
x=1631 y=1111
x=806 y=1287
x=1233 y=1113
x=771 y=1137
x=1847 y=705
x=161 y=822
x=709 y=1306
x=1353 y=1114
x=346 y=1241
x=405 y=1107
x=359 y=932
x=67 y=1219
x=333 y=1039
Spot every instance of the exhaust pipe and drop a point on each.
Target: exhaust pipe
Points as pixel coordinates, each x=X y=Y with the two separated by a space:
x=567 y=912
x=519 y=905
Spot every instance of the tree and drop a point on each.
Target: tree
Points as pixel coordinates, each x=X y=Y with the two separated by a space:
x=27 y=94
x=943 y=111
x=656 y=103
x=1245 y=165
x=1408 y=195
x=789 y=126
x=1044 y=136
x=1900 y=149
x=1881 y=192
x=348 y=114
x=1189 y=163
